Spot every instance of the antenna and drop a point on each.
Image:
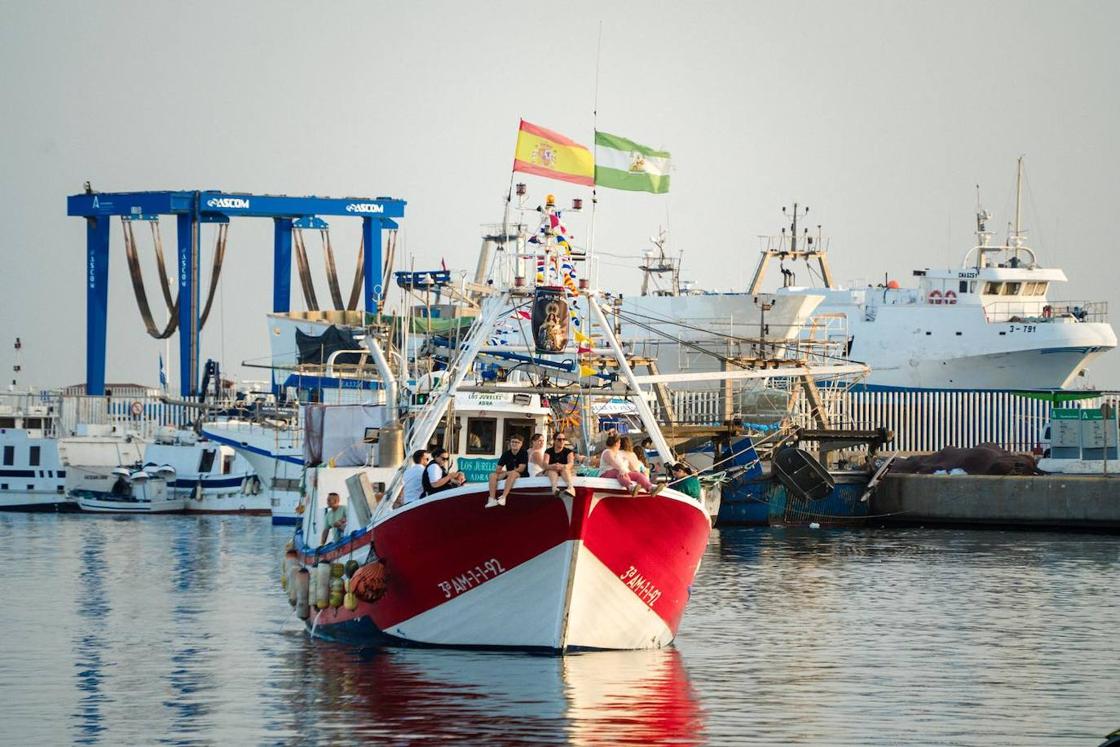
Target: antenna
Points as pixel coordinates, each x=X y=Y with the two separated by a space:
x=17 y=366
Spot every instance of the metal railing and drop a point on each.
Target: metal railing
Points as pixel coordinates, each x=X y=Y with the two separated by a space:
x=1042 y=311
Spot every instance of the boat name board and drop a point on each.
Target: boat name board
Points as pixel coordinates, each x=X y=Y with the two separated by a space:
x=641 y=586
x=466 y=581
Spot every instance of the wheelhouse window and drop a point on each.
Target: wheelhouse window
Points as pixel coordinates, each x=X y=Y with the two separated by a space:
x=206 y=461
x=971 y=286
x=992 y=289
x=963 y=286
x=1011 y=289
x=482 y=435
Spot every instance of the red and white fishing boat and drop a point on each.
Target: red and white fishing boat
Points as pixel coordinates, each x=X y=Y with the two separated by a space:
x=604 y=570
x=597 y=569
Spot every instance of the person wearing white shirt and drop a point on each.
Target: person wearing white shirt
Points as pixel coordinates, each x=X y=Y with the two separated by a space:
x=537 y=460
x=413 y=479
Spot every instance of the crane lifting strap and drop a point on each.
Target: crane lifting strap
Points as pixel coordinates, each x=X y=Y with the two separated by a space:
x=310 y=298
x=172 y=305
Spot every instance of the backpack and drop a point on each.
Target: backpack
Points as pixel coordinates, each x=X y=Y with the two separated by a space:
x=429 y=489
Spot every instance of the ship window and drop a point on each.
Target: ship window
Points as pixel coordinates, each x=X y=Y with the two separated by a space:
x=964 y=286
x=3 y=486
x=9 y=455
x=33 y=457
x=992 y=289
x=1038 y=290
x=1011 y=289
x=482 y=434
x=33 y=423
x=7 y=422
x=227 y=463
x=971 y=286
x=206 y=461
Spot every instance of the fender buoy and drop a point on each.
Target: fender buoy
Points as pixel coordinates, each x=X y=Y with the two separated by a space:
x=255 y=485
x=950 y=297
x=370 y=581
x=934 y=297
x=1047 y=311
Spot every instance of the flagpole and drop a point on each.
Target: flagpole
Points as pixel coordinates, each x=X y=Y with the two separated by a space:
x=594 y=133
x=588 y=412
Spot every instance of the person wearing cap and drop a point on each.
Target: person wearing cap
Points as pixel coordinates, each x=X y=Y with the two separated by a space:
x=684 y=481
x=438 y=476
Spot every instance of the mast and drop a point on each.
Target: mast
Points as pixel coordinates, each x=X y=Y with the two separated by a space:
x=1017 y=233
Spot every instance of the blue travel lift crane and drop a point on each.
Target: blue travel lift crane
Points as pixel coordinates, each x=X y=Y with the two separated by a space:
x=191 y=209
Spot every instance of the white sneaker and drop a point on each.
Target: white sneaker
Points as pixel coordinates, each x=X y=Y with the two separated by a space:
x=501 y=501
x=492 y=502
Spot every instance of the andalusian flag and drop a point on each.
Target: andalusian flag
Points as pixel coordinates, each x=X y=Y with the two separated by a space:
x=550 y=154
x=623 y=164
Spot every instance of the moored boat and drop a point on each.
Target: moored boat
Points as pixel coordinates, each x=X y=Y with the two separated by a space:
x=603 y=570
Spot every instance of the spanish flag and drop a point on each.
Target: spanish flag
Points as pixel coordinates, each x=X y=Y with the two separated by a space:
x=550 y=154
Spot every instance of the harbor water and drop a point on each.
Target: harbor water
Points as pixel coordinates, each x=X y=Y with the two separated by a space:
x=174 y=630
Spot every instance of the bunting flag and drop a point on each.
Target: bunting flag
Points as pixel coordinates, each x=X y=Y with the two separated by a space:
x=549 y=154
x=624 y=164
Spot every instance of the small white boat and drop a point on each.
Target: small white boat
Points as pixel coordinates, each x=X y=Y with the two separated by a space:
x=133 y=493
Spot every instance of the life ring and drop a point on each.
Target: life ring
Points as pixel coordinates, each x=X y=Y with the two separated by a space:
x=950 y=297
x=136 y=408
x=1047 y=311
x=934 y=297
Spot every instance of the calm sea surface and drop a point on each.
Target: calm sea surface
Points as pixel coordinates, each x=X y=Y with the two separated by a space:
x=173 y=630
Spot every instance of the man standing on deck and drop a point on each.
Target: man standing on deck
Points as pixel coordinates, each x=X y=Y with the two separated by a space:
x=513 y=464
x=334 y=521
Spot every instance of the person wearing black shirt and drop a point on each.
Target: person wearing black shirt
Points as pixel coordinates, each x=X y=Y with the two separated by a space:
x=561 y=461
x=513 y=464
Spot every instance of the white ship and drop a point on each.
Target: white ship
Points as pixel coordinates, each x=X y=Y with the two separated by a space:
x=991 y=324
x=40 y=464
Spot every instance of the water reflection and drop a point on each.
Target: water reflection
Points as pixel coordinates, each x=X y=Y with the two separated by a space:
x=173 y=630
x=88 y=645
x=399 y=695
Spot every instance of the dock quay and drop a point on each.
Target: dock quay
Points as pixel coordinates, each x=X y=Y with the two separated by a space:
x=1038 y=501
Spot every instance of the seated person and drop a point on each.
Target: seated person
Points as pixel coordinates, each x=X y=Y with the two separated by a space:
x=334 y=522
x=561 y=461
x=685 y=481
x=537 y=460
x=623 y=466
x=413 y=480
x=438 y=476
x=513 y=464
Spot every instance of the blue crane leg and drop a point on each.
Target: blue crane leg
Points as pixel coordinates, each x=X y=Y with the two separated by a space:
x=97 y=301
x=188 y=305
x=282 y=266
x=371 y=240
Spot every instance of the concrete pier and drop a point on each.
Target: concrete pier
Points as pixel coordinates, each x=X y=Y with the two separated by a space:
x=1058 y=501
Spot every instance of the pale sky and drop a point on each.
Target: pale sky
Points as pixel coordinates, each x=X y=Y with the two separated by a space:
x=882 y=116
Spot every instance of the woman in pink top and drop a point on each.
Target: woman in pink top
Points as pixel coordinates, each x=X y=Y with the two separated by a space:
x=623 y=466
